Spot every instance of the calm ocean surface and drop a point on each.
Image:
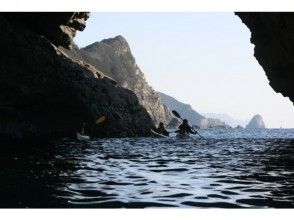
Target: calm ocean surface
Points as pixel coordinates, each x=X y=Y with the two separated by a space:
x=230 y=168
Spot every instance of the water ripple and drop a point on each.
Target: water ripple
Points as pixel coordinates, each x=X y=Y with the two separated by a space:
x=227 y=170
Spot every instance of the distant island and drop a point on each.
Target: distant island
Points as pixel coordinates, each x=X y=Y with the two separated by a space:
x=256 y=122
x=233 y=122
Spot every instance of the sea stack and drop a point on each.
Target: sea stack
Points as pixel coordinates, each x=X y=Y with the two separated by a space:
x=256 y=122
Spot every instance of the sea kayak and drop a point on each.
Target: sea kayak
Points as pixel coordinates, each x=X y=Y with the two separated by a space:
x=155 y=134
x=182 y=136
x=82 y=137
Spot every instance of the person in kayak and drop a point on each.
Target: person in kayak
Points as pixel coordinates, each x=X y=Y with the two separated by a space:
x=161 y=129
x=185 y=128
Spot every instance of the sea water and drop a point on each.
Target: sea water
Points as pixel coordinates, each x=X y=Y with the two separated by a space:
x=230 y=168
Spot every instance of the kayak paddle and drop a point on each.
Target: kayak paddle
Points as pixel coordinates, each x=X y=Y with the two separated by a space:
x=100 y=120
x=175 y=113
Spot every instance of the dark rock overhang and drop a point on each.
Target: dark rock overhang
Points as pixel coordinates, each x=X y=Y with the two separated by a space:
x=272 y=33
x=58 y=27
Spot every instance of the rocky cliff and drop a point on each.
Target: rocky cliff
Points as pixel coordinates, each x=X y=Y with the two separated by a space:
x=256 y=122
x=272 y=34
x=113 y=57
x=46 y=94
x=189 y=113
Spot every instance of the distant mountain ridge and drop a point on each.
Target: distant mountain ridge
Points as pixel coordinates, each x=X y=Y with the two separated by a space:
x=227 y=119
x=189 y=113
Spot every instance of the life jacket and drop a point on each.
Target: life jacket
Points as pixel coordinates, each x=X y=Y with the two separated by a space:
x=185 y=128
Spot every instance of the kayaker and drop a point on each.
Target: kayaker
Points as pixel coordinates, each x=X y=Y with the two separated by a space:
x=185 y=128
x=161 y=129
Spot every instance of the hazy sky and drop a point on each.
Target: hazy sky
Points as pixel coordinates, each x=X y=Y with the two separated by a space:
x=203 y=59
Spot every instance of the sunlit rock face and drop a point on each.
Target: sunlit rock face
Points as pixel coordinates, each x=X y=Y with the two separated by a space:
x=45 y=94
x=113 y=57
x=273 y=36
x=256 y=122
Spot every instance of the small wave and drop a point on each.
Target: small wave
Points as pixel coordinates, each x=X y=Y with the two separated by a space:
x=227 y=170
x=170 y=170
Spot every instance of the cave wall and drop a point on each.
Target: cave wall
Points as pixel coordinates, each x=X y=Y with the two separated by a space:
x=59 y=27
x=45 y=94
x=272 y=33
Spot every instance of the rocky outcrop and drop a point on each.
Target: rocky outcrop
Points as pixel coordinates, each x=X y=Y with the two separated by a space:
x=45 y=94
x=189 y=113
x=256 y=122
x=59 y=27
x=113 y=57
x=272 y=34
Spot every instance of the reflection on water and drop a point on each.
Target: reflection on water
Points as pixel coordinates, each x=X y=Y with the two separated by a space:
x=231 y=168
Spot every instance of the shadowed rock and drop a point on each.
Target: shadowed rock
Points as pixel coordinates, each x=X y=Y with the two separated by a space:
x=59 y=27
x=272 y=34
x=45 y=94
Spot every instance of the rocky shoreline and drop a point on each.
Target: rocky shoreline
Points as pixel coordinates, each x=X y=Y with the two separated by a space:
x=44 y=94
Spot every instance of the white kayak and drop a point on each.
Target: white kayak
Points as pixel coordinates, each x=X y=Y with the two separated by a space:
x=158 y=134
x=82 y=137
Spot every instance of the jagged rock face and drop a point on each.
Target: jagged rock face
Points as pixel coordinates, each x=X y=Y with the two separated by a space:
x=58 y=27
x=190 y=114
x=45 y=94
x=113 y=57
x=256 y=122
x=272 y=34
